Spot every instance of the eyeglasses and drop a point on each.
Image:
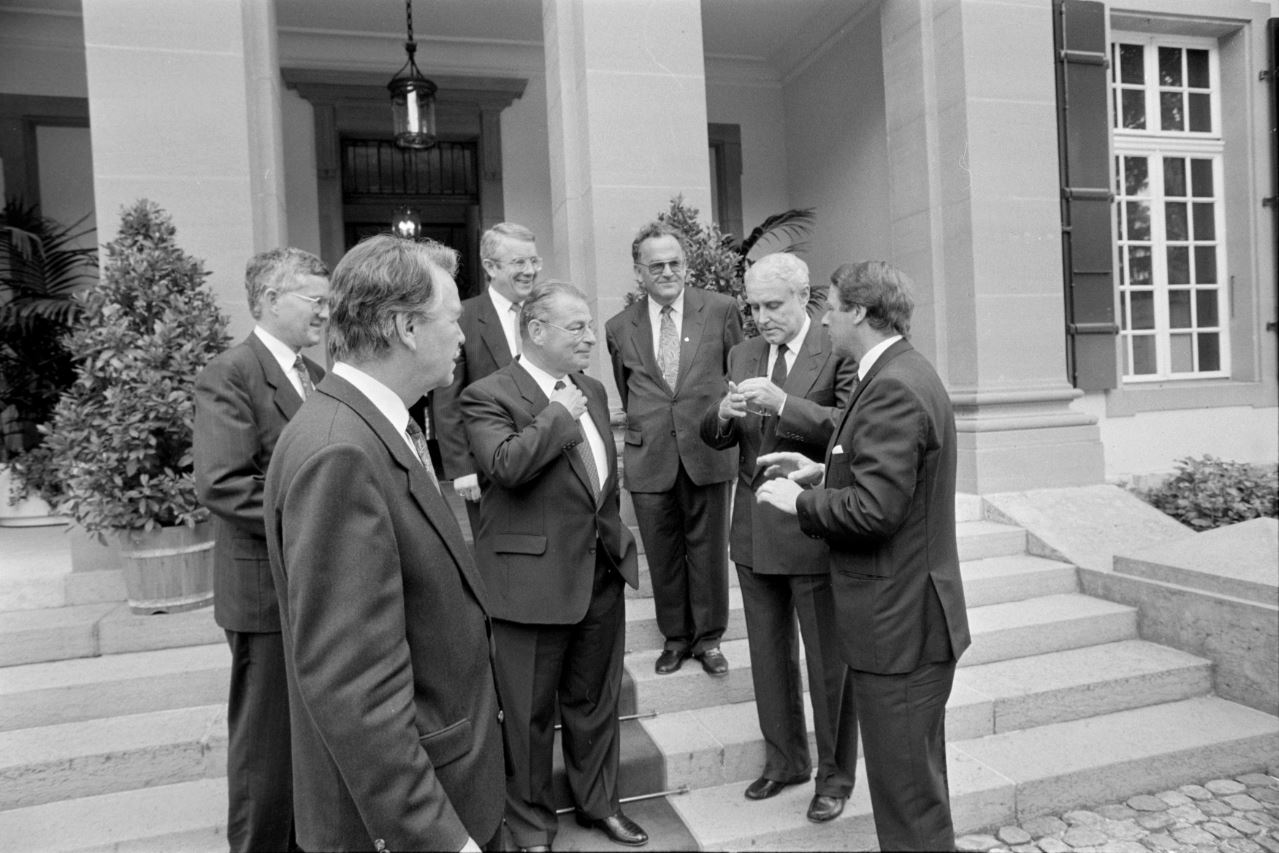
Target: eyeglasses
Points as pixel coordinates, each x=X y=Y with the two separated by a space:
x=318 y=303
x=533 y=263
x=656 y=269
x=577 y=331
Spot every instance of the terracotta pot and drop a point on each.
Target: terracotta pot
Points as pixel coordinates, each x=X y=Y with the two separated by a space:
x=169 y=569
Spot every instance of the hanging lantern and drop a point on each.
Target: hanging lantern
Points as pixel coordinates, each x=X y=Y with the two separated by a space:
x=412 y=97
x=406 y=224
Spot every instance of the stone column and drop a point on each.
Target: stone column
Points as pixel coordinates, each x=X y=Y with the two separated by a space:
x=626 y=102
x=184 y=109
x=975 y=220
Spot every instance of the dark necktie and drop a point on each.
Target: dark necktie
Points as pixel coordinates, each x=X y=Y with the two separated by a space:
x=415 y=434
x=585 y=453
x=304 y=376
x=668 y=348
x=778 y=376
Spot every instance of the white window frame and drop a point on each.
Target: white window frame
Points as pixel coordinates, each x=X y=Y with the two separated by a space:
x=1155 y=144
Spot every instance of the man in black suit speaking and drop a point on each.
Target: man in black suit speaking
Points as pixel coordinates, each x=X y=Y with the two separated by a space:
x=887 y=510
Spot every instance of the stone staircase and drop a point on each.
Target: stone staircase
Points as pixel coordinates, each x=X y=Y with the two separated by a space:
x=113 y=731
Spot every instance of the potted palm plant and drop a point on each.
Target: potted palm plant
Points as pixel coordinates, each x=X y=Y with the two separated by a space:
x=43 y=267
x=120 y=439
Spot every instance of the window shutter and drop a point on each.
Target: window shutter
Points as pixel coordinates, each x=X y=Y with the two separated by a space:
x=1084 y=150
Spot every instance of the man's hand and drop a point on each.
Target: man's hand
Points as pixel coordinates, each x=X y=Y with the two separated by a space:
x=782 y=494
x=794 y=466
x=762 y=395
x=733 y=405
x=571 y=398
x=468 y=487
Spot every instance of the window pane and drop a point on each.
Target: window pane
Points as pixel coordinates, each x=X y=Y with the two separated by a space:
x=1131 y=64
x=1210 y=351
x=1205 y=265
x=1175 y=220
x=1138 y=213
x=1179 y=309
x=1200 y=112
x=1170 y=111
x=1134 y=109
x=1170 y=66
x=1201 y=178
x=1205 y=226
x=1183 y=353
x=1139 y=264
x=1178 y=265
x=1206 y=307
x=1197 y=69
x=1136 y=176
x=1143 y=355
x=1174 y=176
x=1143 y=310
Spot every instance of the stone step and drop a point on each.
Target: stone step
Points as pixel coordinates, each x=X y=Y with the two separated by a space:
x=641 y=622
x=44 y=694
x=86 y=758
x=705 y=747
x=1000 y=632
x=1008 y=778
x=1016 y=577
x=86 y=630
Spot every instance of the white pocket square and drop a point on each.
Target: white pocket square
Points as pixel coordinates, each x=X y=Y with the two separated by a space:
x=839 y=449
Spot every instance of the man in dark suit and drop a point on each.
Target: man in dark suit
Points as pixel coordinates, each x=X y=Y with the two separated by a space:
x=243 y=399
x=554 y=554
x=490 y=322
x=395 y=717
x=887 y=510
x=670 y=354
x=787 y=387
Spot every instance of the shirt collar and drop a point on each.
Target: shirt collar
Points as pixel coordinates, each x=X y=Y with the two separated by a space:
x=796 y=342
x=283 y=353
x=655 y=307
x=383 y=398
x=500 y=302
x=872 y=356
x=544 y=380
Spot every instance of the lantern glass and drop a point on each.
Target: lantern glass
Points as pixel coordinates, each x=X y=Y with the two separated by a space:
x=407 y=224
x=413 y=111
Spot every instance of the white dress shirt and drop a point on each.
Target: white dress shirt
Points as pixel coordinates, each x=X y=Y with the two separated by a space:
x=872 y=355
x=546 y=382
x=510 y=319
x=655 y=319
x=383 y=399
x=284 y=354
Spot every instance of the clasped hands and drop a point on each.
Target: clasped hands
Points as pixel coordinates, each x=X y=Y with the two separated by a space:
x=789 y=473
x=757 y=395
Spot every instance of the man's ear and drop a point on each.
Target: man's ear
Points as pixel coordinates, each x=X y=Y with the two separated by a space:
x=405 y=324
x=639 y=279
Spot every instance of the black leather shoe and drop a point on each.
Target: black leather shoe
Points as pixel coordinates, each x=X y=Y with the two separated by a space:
x=714 y=662
x=670 y=660
x=618 y=827
x=823 y=808
x=763 y=787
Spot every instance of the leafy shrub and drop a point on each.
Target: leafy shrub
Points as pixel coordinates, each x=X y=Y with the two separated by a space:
x=1209 y=492
x=120 y=439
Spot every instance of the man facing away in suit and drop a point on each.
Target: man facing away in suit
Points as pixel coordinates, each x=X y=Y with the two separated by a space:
x=670 y=354
x=787 y=388
x=554 y=554
x=243 y=399
x=395 y=717
x=491 y=323
x=887 y=510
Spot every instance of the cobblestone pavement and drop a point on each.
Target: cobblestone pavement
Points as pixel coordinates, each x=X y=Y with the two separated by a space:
x=1238 y=815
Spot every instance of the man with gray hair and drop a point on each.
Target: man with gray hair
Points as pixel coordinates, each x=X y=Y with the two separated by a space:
x=786 y=390
x=243 y=399
x=490 y=322
x=395 y=716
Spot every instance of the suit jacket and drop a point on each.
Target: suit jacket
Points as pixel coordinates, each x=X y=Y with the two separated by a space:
x=539 y=521
x=242 y=402
x=394 y=711
x=484 y=351
x=817 y=388
x=662 y=423
x=888 y=513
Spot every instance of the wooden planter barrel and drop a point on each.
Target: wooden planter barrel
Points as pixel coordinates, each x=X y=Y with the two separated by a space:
x=169 y=569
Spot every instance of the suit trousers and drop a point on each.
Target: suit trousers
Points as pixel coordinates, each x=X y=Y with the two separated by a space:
x=581 y=666
x=903 y=722
x=685 y=533
x=773 y=603
x=259 y=753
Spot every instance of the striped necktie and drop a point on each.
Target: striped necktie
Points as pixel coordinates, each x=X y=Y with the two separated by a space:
x=418 y=438
x=585 y=453
x=304 y=376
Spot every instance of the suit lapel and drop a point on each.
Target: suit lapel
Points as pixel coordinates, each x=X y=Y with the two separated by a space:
x=492 y=333
x=283 y=394
x=690 y=332
x=598 y=410
x=427 y=496
x=808 y=363
x=642 y=339
x=888 y=355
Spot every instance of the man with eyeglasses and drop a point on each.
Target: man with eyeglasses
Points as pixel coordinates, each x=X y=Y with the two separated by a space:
x=243 y=399
x=670 y=354
x=554 y=555
x=490 y=322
